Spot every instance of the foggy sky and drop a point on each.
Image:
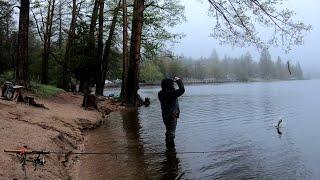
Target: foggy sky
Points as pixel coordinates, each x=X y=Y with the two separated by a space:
x=198 y=27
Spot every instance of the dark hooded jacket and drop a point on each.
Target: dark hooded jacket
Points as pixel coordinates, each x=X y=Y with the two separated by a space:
x=168 y=97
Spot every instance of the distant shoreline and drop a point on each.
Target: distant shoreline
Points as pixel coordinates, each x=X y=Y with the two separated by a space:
x=202 y=82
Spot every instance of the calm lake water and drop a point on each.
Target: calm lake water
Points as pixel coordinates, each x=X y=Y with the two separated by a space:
x=237 y=121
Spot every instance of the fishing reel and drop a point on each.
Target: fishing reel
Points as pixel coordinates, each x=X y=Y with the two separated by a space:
x=37 y=160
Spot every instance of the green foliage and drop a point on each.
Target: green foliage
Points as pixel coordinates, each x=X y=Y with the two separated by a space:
x=83 y=54
x=158 y=18
x=170 y=67
x=35 y=60
x=150 y=72
x=7 y=76
x=8 y=37
x=115 y=65
x=45 y=91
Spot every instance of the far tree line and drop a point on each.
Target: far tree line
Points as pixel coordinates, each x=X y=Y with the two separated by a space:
x=226 y=69
x=61 y=42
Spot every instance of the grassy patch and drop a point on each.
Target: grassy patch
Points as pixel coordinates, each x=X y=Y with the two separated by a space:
x=45 y=91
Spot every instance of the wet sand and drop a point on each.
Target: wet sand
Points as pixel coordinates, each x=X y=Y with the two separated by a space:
x=61 y=128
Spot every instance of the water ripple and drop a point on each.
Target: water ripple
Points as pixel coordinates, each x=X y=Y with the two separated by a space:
x=238 y=117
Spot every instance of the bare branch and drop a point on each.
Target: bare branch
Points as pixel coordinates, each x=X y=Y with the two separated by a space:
x=56 y=59
x=38 y=29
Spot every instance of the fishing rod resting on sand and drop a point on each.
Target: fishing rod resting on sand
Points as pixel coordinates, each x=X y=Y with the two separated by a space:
x=23 y=155
x=115 y=153
x=37 y=157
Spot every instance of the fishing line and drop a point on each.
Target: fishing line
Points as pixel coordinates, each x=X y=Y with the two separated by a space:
x=145 y=153
x=120 y=153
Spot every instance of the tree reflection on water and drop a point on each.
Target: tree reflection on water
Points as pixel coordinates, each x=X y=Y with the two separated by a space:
x=169 y=167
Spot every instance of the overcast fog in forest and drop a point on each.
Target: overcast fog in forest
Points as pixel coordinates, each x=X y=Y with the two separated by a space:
x=198 y=43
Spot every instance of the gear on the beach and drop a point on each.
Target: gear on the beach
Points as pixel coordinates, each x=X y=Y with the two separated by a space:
x=8 y=90
x=23 y=155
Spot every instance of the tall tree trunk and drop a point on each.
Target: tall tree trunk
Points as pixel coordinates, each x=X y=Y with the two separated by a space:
x=47 y=43
x=125 y=60
x=7 y=27
x=22 y=52
x=104 y=62
x=1 y=42
x=70 y=40
x=60 y=25
x=99 y=89
x=91 y=49
x=45 y=65
x=94 y=17
x=132 y=83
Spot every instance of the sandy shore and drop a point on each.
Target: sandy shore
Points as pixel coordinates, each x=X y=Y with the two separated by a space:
x=61 y=128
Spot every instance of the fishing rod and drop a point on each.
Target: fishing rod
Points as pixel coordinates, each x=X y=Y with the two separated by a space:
x=116 y=153
x=23 y=157
x=38 y=156
x=39 y=160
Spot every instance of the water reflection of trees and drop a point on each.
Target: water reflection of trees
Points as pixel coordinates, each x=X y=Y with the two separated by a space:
x=169 y=165
x=135 y=150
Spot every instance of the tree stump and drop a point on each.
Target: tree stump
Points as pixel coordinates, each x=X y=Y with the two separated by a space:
x=73 y=88
x=141 y=102
x=146 y=102
x=31 y=102
x=89 y=101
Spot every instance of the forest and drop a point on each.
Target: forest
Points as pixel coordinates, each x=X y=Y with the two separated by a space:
x=227 y=69
x=65 y=42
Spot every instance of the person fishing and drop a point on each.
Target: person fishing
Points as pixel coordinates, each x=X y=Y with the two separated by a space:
x=168 y=97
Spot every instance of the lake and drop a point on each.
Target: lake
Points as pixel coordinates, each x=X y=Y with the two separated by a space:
x=231 y=127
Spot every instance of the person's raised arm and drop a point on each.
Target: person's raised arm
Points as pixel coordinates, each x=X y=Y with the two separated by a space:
x=172 y=93
x=181 y=89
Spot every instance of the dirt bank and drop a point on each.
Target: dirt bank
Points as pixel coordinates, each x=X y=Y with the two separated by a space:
x=61 y=128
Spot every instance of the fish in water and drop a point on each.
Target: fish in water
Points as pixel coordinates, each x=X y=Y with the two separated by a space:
x=279 y=123
x=289 y=69
x=278 y=126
